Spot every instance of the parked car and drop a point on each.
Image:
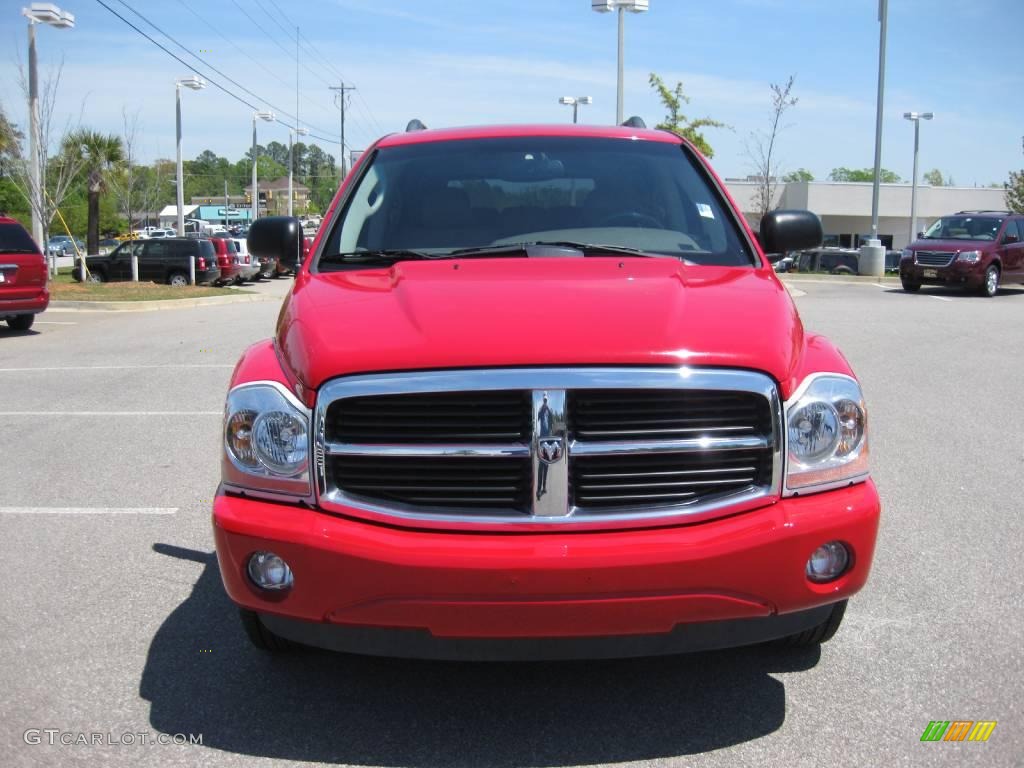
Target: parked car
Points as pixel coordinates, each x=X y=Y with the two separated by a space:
x=227 y=260
x=24 y=290
x=580 y=417
x=63 y=245
x=974 y=250
x=161 y=260
x=249 y=265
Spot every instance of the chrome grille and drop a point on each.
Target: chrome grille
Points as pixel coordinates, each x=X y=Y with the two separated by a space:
x=934 y=258
x=546 y=446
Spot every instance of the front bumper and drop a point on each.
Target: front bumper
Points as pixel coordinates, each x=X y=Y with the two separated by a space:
x=353 y=579
x=25 y=306
x=959 y=273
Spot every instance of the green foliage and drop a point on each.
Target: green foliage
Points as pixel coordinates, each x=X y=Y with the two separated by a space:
x=1015 y=191
x=864 y=174
x=800 y=174
x=677 y=122
x=934 y=178
x=13 y=202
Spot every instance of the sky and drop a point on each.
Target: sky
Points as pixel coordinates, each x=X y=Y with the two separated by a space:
x=466 y=62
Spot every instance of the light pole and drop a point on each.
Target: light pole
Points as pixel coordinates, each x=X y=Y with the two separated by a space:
x=872 y=255
x=575 y=102
x=916 y=118
x=39 y=13
x=195 y=83
x=633 y=6
x=291 y=162
x=269 y=117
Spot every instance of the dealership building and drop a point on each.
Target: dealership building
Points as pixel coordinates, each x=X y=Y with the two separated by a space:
x=845 y=207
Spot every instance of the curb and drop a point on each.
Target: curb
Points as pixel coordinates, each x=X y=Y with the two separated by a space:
x=825 y=277
x=157 y=305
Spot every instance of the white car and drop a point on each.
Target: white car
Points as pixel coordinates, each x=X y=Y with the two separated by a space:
x=250 y=264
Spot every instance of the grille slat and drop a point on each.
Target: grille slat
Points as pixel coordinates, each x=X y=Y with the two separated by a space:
x=934 y=258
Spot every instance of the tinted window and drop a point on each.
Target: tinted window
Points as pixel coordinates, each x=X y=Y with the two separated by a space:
x=14 y=239
x=157 y=250
x=464 y=194
x=206 y=249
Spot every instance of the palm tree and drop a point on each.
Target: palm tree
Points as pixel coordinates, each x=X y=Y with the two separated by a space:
x=101 y=153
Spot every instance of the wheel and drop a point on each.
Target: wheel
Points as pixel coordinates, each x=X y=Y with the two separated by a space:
x=990 y=286
x=178 y=279
x=21 y=322
x=260 y=636
x=842 y=269
x=96 y=276
x=910 y=287
x=819 y=634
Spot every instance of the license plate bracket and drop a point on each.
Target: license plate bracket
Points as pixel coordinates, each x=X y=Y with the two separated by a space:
x=931 y=273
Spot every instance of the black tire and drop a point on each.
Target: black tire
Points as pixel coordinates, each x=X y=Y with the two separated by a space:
x=842 y=269
x=990 y=285
x=819 y=634
x=97 y=276
x=261 y=637
x=21 y=322
x=178 y=279
x=910 y=287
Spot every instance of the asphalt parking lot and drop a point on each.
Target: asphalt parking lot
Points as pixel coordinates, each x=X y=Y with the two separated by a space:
x=114 y=620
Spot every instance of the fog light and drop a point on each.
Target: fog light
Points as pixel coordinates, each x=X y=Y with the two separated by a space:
x=828 y=562
x=268 y=571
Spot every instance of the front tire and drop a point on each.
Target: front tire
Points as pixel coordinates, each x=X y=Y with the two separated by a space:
x=819 y=634
x=178 y=279
x=910 y=287
x=990 y=285
x=21 y=322
x=97 y=276
x=260 y=636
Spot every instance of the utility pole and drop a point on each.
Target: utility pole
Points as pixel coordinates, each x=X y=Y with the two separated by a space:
x=341 y=88
x=225 y=203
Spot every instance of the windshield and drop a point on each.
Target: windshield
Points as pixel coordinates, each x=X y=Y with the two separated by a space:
x=964 y=228
x=446 y=196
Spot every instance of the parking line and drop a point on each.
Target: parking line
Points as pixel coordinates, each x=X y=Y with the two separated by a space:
x=88 y=510
x=53 y=322
x=34 y=414
x=116 y=367
x=938 y=298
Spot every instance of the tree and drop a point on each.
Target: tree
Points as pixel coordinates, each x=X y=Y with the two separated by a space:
x=101 y=154
x=761 y=147
x=800 y=174
x=277 y=151
x=934 y=178
x=1015 y=191
x=677 y=122
x=864 y=174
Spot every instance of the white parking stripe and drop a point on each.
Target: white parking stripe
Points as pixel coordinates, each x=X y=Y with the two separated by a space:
x=111 y=413
x=938 y=298
x=53 y=322
x=117 y=367
x=88 y=510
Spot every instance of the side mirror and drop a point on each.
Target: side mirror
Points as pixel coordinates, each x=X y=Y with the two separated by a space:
x=783 y=231
x=275 y=237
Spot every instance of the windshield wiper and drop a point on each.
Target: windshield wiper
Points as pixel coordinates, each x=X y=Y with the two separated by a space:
x=588 y=249
x=385 y=255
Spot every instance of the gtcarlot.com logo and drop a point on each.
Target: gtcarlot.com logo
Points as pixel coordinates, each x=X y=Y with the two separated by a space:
x=958 y=730
x=57 y=737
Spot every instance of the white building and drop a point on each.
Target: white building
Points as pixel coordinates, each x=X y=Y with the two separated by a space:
x=845 y=207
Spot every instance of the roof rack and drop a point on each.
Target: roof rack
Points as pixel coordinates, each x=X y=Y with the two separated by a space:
x=1004 y=213
x=415 y=125
x=635 y=122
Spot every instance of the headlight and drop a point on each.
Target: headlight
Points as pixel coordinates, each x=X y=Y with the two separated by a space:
x=826 y=429
x=266 y=439
x=971 y=257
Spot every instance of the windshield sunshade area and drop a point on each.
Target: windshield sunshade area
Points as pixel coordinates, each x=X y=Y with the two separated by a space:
x=468 y=194
x=964 y=228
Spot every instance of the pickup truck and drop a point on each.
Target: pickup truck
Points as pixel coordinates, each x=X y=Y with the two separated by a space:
x=537 y=393
x=161 y=260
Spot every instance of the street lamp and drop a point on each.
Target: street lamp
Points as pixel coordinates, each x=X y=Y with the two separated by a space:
x=872 y=254
x=39 y=13
x=269 y=117
x=195 y=83
x=291 y=163
x=633 y=6
x=575 y=102
x=916 y=118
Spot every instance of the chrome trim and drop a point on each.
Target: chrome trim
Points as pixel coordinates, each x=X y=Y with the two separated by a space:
x=696 y=445
x=494 y=451
x=538 y=380
x=549 y=489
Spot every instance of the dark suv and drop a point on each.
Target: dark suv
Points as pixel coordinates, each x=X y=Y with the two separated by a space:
x=976 y=250
x=165 y=260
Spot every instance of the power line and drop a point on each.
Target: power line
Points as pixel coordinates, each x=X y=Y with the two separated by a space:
x=196 y=70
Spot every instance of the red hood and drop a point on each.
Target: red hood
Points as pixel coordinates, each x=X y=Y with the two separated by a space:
x=516 y=312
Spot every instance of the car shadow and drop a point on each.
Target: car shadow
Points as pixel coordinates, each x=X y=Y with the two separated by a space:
x=6 y=330
x=202 y=677
x=942 y=290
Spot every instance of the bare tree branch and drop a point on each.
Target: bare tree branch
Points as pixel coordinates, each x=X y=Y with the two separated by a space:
x=761 y=147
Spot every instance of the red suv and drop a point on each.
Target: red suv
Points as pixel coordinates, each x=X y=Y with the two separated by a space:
x=537 y=393
x=24 y=291
x=227 y=259
x=975 y=250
